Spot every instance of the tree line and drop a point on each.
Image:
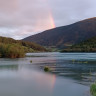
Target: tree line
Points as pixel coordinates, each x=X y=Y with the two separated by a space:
x=85 y=46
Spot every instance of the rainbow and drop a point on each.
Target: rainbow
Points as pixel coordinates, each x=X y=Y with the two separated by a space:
x=52 y=23
x=49 y=23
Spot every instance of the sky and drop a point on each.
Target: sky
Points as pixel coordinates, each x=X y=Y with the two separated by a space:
x=22 y=18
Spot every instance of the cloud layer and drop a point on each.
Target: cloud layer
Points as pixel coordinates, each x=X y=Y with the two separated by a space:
x=21 y=18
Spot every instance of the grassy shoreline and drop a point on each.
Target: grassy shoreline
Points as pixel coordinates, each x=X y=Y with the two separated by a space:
x=93 y=89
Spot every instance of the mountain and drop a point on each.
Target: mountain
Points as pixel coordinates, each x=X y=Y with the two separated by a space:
x=28 y=46
x=66 y=35
x=85 y=46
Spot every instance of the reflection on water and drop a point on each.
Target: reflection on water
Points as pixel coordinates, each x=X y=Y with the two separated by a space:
x=78 y=66
x=9 y=67
x=71 y=74
x=26 y=82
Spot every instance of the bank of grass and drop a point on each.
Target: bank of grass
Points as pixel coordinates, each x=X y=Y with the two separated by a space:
x=11 y=51
x=28 y=46
x=10 y=48
x=93 y=89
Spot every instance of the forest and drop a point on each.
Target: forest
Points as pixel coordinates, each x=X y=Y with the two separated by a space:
x=84 y=46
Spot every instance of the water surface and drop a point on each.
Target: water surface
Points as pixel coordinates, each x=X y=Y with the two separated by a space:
x=71 y=74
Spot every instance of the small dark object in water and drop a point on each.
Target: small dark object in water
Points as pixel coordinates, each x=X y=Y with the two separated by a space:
x=46 y=69
x=30 y=61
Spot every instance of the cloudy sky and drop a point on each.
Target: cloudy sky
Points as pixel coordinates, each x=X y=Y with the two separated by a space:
x=22 y=18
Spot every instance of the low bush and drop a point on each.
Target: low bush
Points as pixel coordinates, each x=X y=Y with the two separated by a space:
x=93 y=89
x=46 y=69
x=11 y=51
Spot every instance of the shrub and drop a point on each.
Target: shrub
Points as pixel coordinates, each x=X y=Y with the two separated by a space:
x=46 y=69
x=12 y=50
x=30 y=61
x=93 y=89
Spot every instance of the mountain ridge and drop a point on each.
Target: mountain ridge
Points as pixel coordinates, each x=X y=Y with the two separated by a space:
x=66 y=35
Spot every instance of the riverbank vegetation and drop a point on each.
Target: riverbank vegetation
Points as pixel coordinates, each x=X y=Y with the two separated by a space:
x=11 y=48
x=30 y=45
x=93 y=89
x=85 y=46
x=46 y=69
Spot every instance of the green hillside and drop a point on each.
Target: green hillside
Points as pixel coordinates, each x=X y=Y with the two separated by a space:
x=16 y=48
x=85 y=46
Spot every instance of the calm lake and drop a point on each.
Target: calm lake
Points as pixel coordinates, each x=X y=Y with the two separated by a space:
x=71 y=74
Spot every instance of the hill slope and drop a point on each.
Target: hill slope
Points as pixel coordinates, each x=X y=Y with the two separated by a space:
x=85 y=46
x=66 y=35
x=29 y=46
